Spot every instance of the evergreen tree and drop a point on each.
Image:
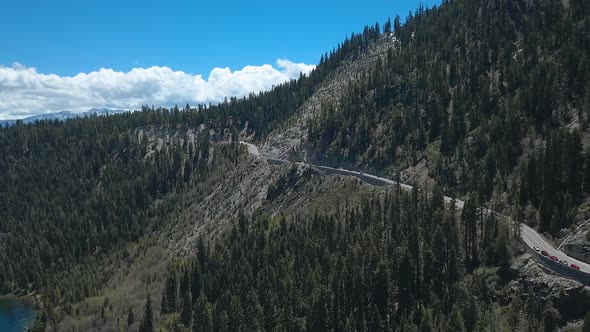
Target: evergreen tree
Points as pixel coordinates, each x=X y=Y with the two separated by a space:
x=469 y=220
x=147 y=321
x=455 y=323
x=169 y=295
x=407 y=284
x=203 y=320
x=254 y=315
x=426 y=322
x=221 y=321
x=235 y=314
x=376 y=322
x=470 y=314
x=187 y=309
x=196 y=282
x=550 y=319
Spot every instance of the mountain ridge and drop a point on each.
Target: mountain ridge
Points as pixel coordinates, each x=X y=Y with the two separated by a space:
x=63 y=115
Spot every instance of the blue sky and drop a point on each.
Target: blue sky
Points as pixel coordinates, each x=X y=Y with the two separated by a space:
x=69 y=37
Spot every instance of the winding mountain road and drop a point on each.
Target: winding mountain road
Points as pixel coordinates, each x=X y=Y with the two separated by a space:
x=529 y=236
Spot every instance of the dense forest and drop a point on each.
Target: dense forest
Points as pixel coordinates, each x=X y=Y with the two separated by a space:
x=495 y=94
x=398 y=262
x=81 y=186
x=72 y=190
x=483 y=90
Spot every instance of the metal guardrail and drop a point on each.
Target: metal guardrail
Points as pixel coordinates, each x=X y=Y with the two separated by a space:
x=558 y=268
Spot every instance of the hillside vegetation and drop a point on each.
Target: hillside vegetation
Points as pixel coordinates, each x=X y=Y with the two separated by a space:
x=486 y=100
x=492 y=95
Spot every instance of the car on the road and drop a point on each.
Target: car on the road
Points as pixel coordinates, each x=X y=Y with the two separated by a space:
x=553 y=258
x=537 y=249
x=544 y=253
x=563 y=262
x=575 y=267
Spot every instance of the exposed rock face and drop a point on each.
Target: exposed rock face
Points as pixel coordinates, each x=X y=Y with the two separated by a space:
x=578 y=246
x=290 y=142
x=244 y=190
x=294 y=189
x=570 y=297
x=156 y=138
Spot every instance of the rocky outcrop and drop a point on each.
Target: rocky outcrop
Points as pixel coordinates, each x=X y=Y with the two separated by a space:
x=256 y=186
x=578 y=246
x=289 y=142
x=570 y=297
x=242 y=190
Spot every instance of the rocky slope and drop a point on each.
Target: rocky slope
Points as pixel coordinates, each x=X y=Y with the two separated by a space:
x=570 y=297
x=246 y=189
x=290 y=141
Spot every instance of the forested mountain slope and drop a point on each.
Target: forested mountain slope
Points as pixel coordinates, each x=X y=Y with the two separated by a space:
x=76 y=192
x=482 y=96
x=83 y=185
x=371 y=267
x=480 y=99
x=483 y=92
x=73 y=189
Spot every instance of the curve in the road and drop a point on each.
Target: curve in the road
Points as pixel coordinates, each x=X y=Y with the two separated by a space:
x=528 y=235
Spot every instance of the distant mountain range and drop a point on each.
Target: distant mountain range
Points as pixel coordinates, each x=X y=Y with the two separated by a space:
x=64 y=115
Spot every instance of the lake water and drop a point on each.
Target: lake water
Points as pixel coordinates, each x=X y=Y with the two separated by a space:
x=16 y=313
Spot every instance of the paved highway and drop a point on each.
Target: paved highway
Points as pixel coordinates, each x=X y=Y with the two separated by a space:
x=530 y=236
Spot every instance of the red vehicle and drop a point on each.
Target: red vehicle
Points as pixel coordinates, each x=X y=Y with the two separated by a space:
x=553 y=258
x=544 y=253
x=575 y=267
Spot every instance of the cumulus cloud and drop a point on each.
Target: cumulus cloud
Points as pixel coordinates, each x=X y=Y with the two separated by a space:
x=24 y=91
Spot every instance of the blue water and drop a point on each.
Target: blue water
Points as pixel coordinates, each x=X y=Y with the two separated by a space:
x=16 y=314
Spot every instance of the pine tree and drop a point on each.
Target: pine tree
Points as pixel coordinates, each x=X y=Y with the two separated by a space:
x=169 y=295
x=147 y=321
x=550 y=319
x=387 y=26
x=469 y=220
x=203 y=320
x=376 y=321
x=221 y=321
x=187 y=309
x=445 y=139
x=397 y=26
x=426 y=322
x=515 y=312
x=440 y=254
x=254 y=314
x=382 y=288
x=455 y=323
x=471 y=314
x=502 y=251
x=407 y=284
x=235 y=314
x=196 y=282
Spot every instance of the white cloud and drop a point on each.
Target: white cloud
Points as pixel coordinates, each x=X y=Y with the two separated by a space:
x=24 y=91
